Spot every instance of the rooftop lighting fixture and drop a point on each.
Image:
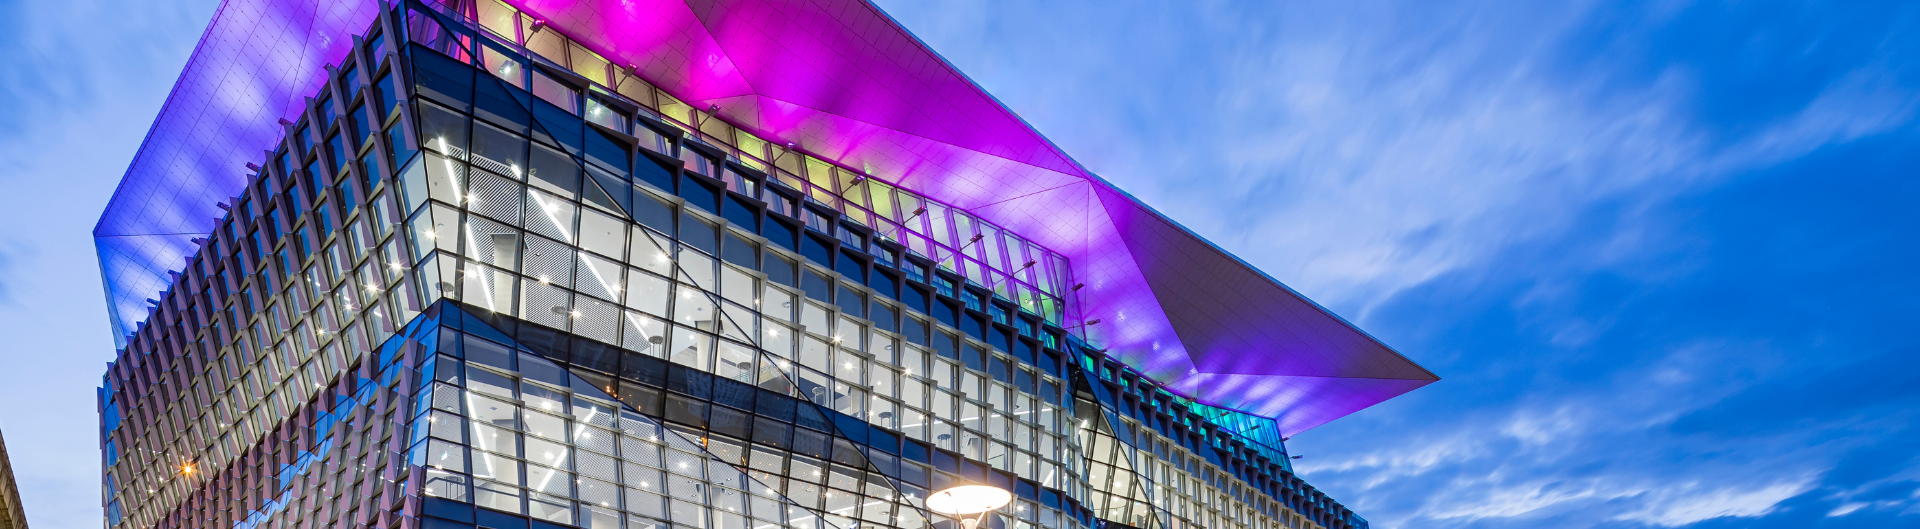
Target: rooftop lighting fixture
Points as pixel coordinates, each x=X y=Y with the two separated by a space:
x=969 y=503
x=976 y=238
x=712 y=109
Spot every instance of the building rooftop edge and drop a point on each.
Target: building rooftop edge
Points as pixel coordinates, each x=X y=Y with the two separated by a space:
x=1178 y=306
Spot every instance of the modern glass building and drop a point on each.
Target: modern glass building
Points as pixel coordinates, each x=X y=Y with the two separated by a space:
x=717 y=264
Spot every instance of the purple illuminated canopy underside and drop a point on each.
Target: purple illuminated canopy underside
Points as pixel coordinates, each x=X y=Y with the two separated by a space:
x=844 y=82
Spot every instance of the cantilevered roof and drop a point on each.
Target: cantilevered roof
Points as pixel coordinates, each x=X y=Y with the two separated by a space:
x=847 y=83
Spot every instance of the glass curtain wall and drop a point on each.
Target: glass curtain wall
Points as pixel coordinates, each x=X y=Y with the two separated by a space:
x=635 y=293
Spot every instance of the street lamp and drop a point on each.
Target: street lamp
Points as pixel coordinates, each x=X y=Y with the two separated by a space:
x=969 y=503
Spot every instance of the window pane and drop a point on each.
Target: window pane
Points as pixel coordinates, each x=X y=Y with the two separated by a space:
x=555 y=92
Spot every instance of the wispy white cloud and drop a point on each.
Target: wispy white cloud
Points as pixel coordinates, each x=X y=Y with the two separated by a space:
x=1666 y=505
x=1860 y=103
x=1566 y=459
x=1524 y=432
x=1846 y=509
x=1364 y=149
x=1541 y=429
x=1370 y=161
x=7 y=277
x=1863 y=497
x=1469 y=500
x=1688 y=504
x=1421 y=456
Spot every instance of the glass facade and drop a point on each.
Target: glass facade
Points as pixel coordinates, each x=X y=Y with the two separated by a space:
x=491 y=279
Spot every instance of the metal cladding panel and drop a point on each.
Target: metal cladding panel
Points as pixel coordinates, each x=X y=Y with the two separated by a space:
x=844 y=82
x=662 y=37
x=256 y=63
x=1257 y=346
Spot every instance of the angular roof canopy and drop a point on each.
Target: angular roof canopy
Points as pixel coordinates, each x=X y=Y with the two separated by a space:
x=845 y=82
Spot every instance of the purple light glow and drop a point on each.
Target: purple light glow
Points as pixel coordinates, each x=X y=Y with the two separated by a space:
x=846 y=83
x=256 y=63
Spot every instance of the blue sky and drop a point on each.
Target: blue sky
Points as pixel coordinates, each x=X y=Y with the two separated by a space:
x=1660 y=253
x=80 y=81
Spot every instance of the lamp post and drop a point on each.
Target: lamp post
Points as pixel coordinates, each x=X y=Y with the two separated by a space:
x=969 y=503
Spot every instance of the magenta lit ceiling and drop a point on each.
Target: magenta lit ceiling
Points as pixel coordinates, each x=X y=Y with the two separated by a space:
x=844 y=82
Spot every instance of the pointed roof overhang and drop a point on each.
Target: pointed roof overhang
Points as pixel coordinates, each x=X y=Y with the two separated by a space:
x=847 y=83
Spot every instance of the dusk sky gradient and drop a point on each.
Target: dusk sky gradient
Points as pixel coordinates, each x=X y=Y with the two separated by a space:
x=1663 y=255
